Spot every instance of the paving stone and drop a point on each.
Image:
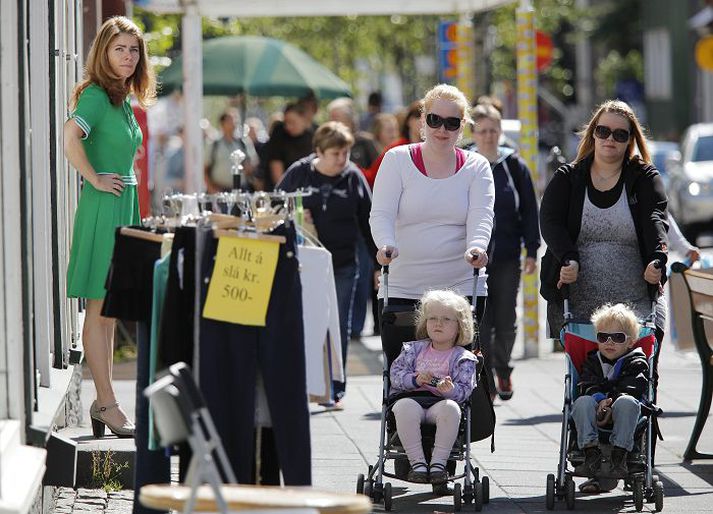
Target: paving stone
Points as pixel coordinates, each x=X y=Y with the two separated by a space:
x=126 y=494
x=91 y=501
x=91 y=493
x=120 y=504
x=66 y=492
x=87 y=507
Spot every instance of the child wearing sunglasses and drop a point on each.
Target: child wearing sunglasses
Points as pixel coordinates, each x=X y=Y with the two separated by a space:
x=613 y=380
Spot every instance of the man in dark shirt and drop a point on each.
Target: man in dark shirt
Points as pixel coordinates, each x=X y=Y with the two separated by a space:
x=290 y=140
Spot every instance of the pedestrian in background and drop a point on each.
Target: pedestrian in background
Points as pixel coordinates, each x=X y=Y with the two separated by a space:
x=100 y=142
x=339 y=209
x=516 y=225
x=410 y=132
x=385 y=130
x=373 y=107
x=218 y=170
x=290 y=140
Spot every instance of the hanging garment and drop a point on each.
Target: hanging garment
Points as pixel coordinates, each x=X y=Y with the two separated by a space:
x=160 y=280
x=321 y=319
x=230 y=354
x=129 y=285
x=176 y=331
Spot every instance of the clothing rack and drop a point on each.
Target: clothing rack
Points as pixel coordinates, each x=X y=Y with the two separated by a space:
x=257 y=215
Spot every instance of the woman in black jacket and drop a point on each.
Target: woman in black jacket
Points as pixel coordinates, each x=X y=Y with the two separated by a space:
x=603 y=218
x=339 y=209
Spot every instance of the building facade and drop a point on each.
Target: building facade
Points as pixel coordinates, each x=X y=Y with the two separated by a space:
x=40 y=61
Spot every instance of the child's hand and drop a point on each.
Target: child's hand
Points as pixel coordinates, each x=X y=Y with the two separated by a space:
x=423 y=378
x=604 y=412
x=604 y=405
x=445 y=386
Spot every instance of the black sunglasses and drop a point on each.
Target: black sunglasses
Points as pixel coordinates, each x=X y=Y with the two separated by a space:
x=617 y=337
x=435 y=121
x=620 y=135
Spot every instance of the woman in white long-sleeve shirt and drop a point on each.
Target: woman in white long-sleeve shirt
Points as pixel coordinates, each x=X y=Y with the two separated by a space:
x=432 y=207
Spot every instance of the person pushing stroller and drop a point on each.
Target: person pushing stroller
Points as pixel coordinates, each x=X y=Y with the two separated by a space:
x=613 y=380
x=438 y=364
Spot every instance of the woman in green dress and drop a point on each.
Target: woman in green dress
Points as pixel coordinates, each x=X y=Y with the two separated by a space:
x=100 y=140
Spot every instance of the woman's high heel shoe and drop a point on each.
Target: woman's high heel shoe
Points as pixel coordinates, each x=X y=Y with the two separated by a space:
x=99 y=423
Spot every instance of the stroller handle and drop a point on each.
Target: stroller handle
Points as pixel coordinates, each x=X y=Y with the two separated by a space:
x=654 y=290
x=385 y=277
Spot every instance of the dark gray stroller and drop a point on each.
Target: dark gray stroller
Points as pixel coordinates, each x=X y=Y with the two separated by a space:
x=397 y=326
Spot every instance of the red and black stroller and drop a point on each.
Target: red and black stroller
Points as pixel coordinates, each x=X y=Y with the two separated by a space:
x=397 y=327
x=578 y=338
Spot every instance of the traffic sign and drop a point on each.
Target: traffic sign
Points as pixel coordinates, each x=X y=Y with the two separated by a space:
x=704 y=53
x=544 y=50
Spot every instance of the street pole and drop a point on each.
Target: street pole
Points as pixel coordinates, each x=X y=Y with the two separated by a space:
x=527 y=112
x=192 y=97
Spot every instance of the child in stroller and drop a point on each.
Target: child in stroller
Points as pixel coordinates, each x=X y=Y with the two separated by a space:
x=614 y=378
x=437 y=363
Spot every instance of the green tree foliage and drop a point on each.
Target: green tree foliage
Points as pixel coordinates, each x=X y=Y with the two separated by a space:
x=608 y=24
x=385 y=42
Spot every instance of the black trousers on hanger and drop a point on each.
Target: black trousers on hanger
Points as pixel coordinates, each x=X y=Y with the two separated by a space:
x=129 y=297
x=229 y=357
x=176 y=334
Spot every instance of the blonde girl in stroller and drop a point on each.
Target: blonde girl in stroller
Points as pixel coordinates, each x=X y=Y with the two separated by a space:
x=438 y=364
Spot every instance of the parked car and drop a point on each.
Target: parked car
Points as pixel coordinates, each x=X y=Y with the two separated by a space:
x=690 y=192
x=661 y=153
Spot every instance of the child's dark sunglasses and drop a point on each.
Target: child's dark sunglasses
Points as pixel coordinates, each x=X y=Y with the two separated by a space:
x=617 y=337
x=620 y=135
x=435 y=121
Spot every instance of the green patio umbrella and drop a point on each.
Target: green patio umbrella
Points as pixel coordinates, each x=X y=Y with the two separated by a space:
x=258 y=66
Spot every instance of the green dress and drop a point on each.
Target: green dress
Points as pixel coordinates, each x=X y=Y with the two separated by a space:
x=112 y=137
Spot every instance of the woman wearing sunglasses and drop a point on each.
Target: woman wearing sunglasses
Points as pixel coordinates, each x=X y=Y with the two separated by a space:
x=603 y=218
x=432 y=209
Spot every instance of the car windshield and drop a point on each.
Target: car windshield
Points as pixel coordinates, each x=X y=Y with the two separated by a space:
x=704 y=149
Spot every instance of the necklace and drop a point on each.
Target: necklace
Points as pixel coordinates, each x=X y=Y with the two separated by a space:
x=602 y=178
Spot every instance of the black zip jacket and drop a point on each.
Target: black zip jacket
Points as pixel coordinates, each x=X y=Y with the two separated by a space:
x=630 y=376
x=561 y=216
x=339 y=206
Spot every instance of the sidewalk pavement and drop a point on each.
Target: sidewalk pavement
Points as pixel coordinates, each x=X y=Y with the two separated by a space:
x=345 y=442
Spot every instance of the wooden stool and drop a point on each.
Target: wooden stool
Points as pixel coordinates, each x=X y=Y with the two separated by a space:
x=258 y=498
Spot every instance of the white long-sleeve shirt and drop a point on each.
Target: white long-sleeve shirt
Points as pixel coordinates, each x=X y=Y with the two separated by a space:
x=432 y=222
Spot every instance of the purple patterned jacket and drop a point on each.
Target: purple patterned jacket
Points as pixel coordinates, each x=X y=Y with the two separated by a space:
x=461 y=369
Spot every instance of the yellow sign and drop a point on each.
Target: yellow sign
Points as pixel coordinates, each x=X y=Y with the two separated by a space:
x=704 y=53
x=239 y=290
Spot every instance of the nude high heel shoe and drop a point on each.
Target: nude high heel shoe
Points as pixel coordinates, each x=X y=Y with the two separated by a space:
x=99 y=423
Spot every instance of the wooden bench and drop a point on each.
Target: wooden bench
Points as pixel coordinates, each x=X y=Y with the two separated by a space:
x=700 y=290
x=255 y=499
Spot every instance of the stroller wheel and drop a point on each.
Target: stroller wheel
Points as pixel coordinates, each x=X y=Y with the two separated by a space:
x=478 y=496
x=468 y=494
x=486 y=489
x=658 y=496
x=368 y=489
x=456 y=498
x=569 y=492
x=550 y=496
x=638 y=488
x=387 y=496
x=360 y=483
